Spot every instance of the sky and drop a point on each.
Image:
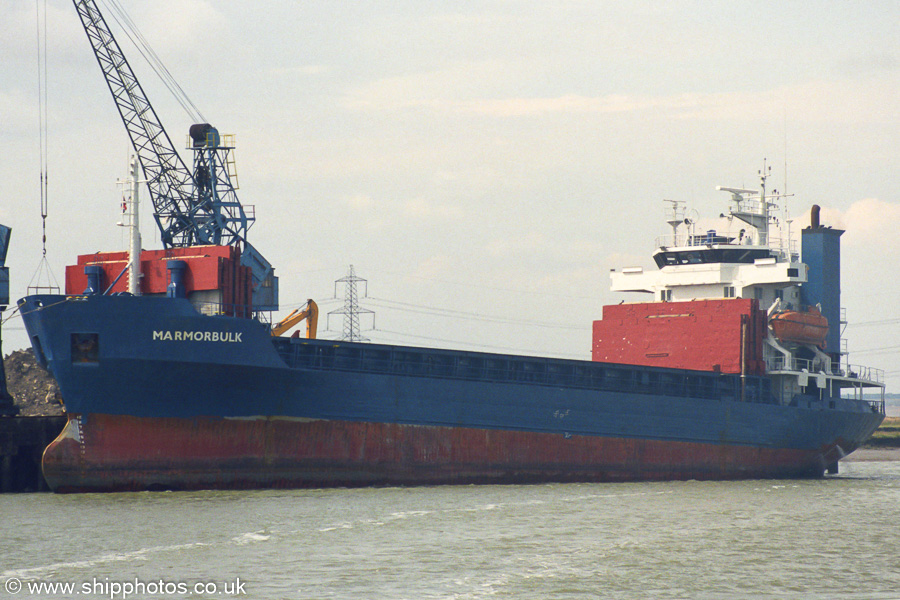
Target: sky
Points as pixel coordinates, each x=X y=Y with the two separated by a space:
x=483 y=165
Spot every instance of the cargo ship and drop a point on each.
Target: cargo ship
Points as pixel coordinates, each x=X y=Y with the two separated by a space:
x=164 y=393
x=174 y=376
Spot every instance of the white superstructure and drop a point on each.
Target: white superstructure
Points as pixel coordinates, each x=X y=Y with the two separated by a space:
x=750 y=253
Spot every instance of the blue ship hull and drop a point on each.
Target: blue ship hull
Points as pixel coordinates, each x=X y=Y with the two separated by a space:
x=160 y=396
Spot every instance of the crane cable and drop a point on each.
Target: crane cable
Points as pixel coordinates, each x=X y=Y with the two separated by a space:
x=42 y=114
x=146 y=51
x=41 y=20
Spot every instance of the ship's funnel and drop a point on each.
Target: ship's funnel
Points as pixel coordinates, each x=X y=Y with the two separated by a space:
x=821 y=252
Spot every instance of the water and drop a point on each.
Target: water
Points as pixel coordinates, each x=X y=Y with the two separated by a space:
x=830 y=538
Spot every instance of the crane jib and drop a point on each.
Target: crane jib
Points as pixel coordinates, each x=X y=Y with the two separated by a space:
x=191 y=207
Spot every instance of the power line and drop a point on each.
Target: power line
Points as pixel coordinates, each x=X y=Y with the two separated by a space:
x=869 y=323
x=298 y=305
x=459 y=314
x=470 y=344
x=883 y=350
x=488 y=287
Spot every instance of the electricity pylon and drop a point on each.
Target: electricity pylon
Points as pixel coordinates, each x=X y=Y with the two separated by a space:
x=351 y=309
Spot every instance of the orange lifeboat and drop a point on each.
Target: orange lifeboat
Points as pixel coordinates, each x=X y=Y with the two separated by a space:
x=806 y=326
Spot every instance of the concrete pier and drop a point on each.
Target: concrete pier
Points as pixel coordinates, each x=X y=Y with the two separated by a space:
x=22 y=442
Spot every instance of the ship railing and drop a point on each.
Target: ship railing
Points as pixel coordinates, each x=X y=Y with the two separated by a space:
x=432 y=363
x=684 y=240
x=784 y=249
x=222 y=309
x=780 y=363
x=876 y=405
x=861 y=373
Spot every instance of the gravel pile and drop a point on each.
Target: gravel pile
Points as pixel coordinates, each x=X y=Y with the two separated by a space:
x=33 y=388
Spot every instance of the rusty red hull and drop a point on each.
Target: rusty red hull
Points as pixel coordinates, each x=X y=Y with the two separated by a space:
x=179 y=400
x=108 y=453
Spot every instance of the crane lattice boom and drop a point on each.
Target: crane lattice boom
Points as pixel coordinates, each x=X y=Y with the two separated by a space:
x=191 y=207
x=187 y=206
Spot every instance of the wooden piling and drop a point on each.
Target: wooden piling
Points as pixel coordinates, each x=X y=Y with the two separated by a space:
x=22 y=442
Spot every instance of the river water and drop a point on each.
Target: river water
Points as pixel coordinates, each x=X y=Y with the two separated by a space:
x=831 y=538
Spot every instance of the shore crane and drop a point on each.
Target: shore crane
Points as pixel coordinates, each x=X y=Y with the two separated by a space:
x=191 y=207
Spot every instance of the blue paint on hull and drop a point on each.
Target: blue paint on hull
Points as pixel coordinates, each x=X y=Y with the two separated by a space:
x=159 y=359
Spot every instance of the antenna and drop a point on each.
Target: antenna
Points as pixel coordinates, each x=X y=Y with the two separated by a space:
x=764 y=204
x=351 y=309
x=785 y=153
x=674 y=216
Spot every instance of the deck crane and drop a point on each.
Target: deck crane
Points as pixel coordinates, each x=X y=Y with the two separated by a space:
x=191 y=208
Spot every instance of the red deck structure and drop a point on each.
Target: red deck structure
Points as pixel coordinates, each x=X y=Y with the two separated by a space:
x=216 y=270
x=705 y=335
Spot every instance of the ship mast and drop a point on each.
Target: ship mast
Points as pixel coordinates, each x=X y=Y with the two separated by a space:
x=753 y=212
x=132 y=208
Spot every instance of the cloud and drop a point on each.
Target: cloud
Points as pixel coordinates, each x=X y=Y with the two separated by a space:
x=425 y=209
x=451 y=91
x=437 y=266
x=438 y=88
x=64 y=36
x=836 y=101
x=869 y=223
x=571 y=104
x=529 y=243
x=618 y=260
x=360 y=202
x=303 y=70
x=20 y=113
x=198 y=24
x=416 y=208
x=873 y=62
